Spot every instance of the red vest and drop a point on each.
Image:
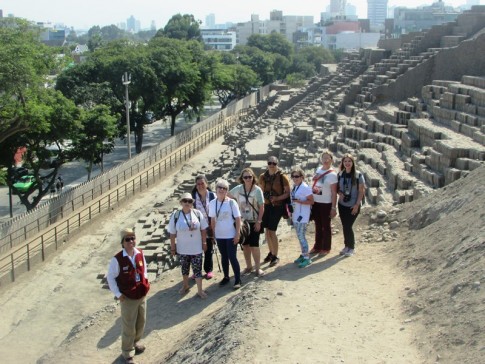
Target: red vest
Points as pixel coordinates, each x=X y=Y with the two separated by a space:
x=126 y=280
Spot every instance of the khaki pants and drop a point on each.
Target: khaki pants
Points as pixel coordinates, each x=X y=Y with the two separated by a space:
x=133 y=317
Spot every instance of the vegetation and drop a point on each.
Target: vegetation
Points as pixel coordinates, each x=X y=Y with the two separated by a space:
x=171 y=74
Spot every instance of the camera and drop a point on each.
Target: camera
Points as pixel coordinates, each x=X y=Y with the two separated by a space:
x=299 y=218
x=267 y=195
x=347 y=198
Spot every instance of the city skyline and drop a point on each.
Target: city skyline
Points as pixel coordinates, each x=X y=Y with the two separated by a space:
x=87 y=13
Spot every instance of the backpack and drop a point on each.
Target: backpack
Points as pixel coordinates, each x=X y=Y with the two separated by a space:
x=358 y=180
x=197 y=213
x=245 y=227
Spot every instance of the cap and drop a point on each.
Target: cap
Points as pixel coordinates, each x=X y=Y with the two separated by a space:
x=186 y=196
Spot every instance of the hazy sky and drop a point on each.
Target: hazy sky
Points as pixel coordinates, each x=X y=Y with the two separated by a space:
x=82 y=14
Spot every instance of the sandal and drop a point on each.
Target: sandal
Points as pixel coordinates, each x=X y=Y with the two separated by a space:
x=247 y=271
x=260 y=273
x=184 y=290
x=202 y=295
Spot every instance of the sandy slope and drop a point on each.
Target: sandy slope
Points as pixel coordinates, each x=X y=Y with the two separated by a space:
x=337 y=310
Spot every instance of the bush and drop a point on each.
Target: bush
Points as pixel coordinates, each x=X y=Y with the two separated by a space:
x=295 y=80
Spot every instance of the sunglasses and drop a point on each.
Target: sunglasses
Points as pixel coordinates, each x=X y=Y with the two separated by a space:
x=247 y=177
x=130 y=238
x=272 y=163
x=184 y=200
x=222 y=188
x=295 y=176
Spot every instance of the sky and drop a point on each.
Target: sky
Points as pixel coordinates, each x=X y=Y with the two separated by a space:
x=83 y=14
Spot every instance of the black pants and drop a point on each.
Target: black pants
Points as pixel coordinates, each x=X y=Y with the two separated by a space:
x=348 y=220
x=208 y=263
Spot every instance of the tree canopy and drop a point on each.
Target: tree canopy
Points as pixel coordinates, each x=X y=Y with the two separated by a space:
x=182 y=27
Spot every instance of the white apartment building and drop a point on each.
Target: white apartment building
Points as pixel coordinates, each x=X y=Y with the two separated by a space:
x=218 y=39
x=286 y=25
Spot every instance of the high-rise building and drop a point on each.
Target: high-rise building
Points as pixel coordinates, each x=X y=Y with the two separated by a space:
x=131 y=24
x=376 y=11
x=210 y=21
x=338 y=7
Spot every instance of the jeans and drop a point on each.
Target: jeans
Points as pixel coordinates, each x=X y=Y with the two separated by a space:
x=348 y=220
x=228 y=251
x=300 y=233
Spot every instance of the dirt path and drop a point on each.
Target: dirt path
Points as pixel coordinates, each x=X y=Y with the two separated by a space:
x=337 y=310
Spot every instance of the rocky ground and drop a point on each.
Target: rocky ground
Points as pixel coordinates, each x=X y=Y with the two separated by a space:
x=411 y=294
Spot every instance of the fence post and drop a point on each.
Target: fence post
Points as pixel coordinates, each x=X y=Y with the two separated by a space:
x=28 y=256
x=13 y=267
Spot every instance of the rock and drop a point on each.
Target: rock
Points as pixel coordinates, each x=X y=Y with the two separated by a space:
x=394 y=225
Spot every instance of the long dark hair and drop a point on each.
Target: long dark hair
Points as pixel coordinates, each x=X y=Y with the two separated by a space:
x=352 y=170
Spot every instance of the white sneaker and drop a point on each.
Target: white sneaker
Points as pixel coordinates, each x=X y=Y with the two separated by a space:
x=349 y=252
x=344 y=250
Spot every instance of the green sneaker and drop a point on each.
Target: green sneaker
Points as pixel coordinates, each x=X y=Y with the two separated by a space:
x=305 y=263
x=298 y=260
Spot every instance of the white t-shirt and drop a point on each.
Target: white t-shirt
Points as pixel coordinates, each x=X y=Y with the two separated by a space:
x=189 y=242
x=255 y=198
x=223 y=212
x=323 y=185
x=301 y=193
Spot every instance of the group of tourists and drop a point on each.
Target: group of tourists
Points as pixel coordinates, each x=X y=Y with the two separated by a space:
x=206 y=218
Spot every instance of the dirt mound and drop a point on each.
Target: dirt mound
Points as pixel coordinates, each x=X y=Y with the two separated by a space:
x=443 y=248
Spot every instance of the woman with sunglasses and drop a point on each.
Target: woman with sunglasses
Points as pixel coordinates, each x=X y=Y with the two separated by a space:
x=187 y=227
x=202 y=196
x=251 y=203
x=226 y=225
x=276 y=189
x=302 y=201
x=325 y=207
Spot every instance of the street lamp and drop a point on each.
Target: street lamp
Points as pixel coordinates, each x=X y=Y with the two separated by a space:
x=126 y=79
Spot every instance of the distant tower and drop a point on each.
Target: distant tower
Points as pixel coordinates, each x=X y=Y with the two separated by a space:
x=131 y=24
x=338 y=7
x=376 y=11
x=210 y=21
x=153 y=25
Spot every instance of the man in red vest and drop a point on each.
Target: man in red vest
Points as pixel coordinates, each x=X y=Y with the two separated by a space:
x=128 y=280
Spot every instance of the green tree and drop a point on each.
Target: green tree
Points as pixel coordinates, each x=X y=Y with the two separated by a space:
x=182 y=27
x=259 y=61
x=96 y=137
x=308 y=60
x=24 y=64
x=272 y=43
x=183 y=82
x=232 y=82
x=56 y=121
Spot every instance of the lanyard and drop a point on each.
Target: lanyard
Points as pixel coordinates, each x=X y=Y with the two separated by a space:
x=204 y=202
x=218 y=211
x=294 y=191
x=189 y=224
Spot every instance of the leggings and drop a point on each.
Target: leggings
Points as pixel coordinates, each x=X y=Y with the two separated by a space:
x=300 y=233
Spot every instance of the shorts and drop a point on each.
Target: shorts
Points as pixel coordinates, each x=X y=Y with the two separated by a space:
x=272 y=216
x=253 y=238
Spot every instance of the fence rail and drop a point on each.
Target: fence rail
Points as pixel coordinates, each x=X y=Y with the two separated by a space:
x=69 y=219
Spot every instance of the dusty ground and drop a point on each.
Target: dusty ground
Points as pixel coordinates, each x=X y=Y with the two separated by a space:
x=415 y=298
